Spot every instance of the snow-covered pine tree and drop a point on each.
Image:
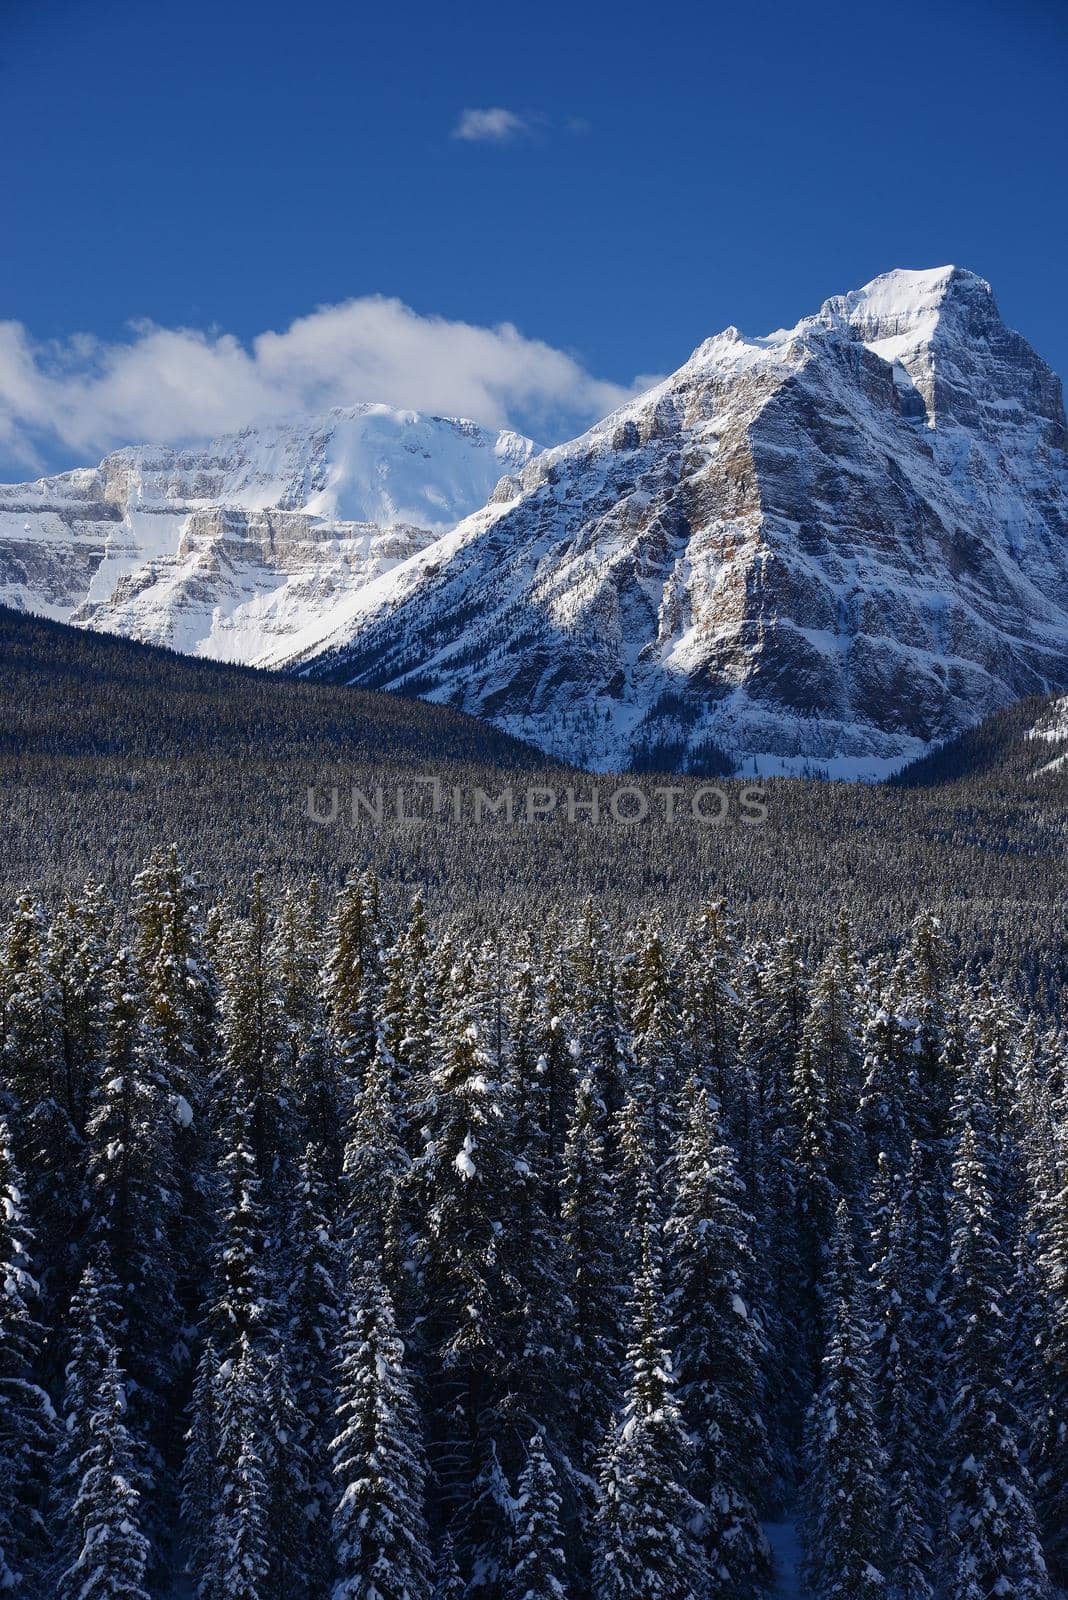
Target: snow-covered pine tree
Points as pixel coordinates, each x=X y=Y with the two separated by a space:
x=889 y=1091
x=555 y=1085
x=298 y=1542
x=133 y=1194
x=537 y=1566
x=991 y=1543
x=647 y=1547
x=712 y=1007
x=239 y=1553
x=310 y=1337
x=591 y=1349
x=26 y=1416
x=95 y=1324
x=832 y=1036
x=639 y=1200
x=374 y=1165
x=252 y=1033
x=457 y=1186
x=448 y=1583
x=419 y=1012
x=295 y=955
x=201 y=1478
x=926 y=997
x=658 y=1046
x=352 y=978
x=112 y=1550
x=79 y=957
x=33 y=1084
x=382 y=1546
x=170 y=970
x=815 y=1201
x=406 y=1009
x=598 y=1022
x=536 y=1309
x=242 y=1305
x=29 y=1009
x=845 y=1489
x=1051 y=1455
x=906 y=1353
x=786 y=983
x=774 y=992
x=720 y=1351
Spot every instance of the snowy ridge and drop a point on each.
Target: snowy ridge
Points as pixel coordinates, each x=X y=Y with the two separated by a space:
x=225 y=549
x=821 y=550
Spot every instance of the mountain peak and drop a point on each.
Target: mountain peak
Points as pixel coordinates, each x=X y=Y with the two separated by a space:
x=789 y=554
x=905 y=308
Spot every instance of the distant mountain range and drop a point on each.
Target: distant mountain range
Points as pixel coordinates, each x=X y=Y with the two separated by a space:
x=826 y=550
x=229 y=549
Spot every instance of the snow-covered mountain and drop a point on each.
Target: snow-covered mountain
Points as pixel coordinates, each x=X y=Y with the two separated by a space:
x=820 y=550
x=227 y=549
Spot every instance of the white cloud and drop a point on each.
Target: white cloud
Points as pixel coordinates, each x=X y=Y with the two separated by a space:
x=494 y=125
x=167 y=385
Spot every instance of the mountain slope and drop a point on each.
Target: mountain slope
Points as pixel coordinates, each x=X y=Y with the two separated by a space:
x=1021 y=750
x=226 y=549
x=821 y=550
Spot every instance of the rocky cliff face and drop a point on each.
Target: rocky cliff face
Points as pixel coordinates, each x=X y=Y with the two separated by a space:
x=228 y=549
x=821 y=550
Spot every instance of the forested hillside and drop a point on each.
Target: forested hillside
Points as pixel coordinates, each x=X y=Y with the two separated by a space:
x=108 y=748
x=341 y=1256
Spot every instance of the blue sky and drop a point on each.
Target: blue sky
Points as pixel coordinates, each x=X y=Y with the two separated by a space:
x=633 y=179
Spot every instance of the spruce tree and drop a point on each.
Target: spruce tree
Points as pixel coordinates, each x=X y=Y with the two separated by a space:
x=310 y=1342
x=448 y=1583
x=252 y=1035
x=907 y=1351
x=95 y=1326
x=991 y=1542
x=713 y=1007
x=78 y=959
x=374 y=1165
x=658 y=1052
x=647 y=1548
x=238 y=1550
x=845 y=1489
x=1051 y=1455
x=832 y=1040
x=242 y=1305
x=537 y=1568
x=380 y=1533
x=298 y=1545
x=112 y=1550
x=590 y=1247
x=201 y=1479
x=720 y=1350
x=134 y=1195
x=889 y=1089
x=26 y=1415
x=459 y=1187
